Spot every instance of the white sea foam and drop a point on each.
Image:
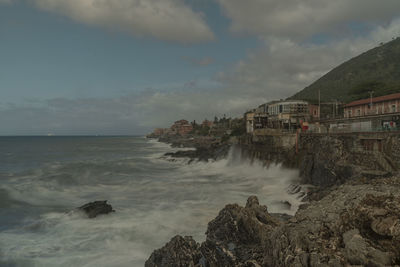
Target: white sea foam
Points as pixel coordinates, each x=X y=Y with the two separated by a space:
x=154 y=200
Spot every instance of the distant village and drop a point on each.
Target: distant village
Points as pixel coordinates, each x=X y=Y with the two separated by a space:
x=289 y=116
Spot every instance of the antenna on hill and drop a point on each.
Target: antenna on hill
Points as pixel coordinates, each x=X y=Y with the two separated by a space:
x=319 y=103
x=370 y=99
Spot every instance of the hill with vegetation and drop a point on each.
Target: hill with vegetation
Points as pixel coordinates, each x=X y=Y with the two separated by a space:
x=376 y=70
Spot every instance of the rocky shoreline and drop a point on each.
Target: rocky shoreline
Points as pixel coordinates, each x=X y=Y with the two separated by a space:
x=206 y=148
x=352 y=223
x=356 y=224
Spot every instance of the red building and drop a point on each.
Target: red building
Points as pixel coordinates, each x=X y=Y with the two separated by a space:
x=207 y=123
x=182 y=127
x=373 y=106
x=314 y=111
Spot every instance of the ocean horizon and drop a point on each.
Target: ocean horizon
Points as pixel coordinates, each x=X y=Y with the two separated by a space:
x=43 y=179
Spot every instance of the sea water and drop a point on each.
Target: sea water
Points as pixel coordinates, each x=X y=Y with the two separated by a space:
x=155 y=198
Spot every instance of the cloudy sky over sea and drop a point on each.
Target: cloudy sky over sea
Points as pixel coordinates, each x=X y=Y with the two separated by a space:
x=126 y=66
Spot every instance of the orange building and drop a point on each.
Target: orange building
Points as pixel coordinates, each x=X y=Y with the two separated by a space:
x=373 y=106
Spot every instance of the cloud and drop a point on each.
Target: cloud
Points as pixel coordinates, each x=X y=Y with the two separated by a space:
x=199 y=62
x=168 y=20
x=283 y=67
x=286 y=62
x=278 y=70
x=304 y=18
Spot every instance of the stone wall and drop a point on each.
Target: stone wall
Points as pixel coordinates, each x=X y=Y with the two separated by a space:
x=328 y=159
x=271 y=149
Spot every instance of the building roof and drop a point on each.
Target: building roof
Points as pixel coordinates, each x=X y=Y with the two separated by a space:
x=290 y=101
x=374 y=100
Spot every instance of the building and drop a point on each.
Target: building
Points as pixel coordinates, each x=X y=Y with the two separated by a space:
x=314 y=111
x=381 y=105
x=368 y=115
x=181 y=127
x=249 y=118
x=288 y=114
x=159 y=131
x=207 y=123
x=261 y=117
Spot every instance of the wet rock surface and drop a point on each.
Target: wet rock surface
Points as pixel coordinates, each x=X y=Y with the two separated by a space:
x=93 y=209
x=205 y=148
x=180 y=251
x=357 y=223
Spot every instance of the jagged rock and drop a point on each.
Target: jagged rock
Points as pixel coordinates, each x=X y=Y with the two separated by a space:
x=202 y=153
x=93 y=209
x=355 y=224
x=294 y=189
x=234 y=238
x=359 y=252
x=179 y=252
x=238 y=225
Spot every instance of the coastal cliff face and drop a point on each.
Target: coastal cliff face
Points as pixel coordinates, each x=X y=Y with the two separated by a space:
x=356 y=224
x=326 y=160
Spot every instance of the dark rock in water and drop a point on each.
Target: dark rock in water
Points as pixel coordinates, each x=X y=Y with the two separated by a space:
x=286 y=204
x=294 y=189
x=95 y=208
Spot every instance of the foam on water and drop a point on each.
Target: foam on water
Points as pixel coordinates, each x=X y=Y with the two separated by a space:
x=154 y=200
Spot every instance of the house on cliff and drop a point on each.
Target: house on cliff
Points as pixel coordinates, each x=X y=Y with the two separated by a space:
x=288 y=114
x=281 y=115
x=181 y=127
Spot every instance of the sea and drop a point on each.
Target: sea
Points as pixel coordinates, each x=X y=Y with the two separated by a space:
x=43 y=180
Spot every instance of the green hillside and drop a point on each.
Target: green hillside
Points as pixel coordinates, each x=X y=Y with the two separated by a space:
x=376 y=70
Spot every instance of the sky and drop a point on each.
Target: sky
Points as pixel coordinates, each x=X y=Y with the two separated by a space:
x=111 y=67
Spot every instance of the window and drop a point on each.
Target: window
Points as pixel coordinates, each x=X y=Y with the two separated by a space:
x=358 y=112
x=393 y=108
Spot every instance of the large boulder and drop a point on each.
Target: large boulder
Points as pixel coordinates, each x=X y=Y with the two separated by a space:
x=237 y=225
x=93 y=209
x=234 y=238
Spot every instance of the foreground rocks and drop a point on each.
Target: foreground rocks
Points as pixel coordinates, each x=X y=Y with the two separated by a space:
x=357 y=223
x=93 y=209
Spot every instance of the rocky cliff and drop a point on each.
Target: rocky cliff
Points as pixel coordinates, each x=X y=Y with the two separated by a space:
x=358 y=223
x=326 y=160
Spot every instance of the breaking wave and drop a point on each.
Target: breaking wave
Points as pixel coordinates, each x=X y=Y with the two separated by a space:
x=154 y=200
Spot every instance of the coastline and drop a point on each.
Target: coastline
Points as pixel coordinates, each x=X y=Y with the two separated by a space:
x=354 y=222
x=205 y=148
